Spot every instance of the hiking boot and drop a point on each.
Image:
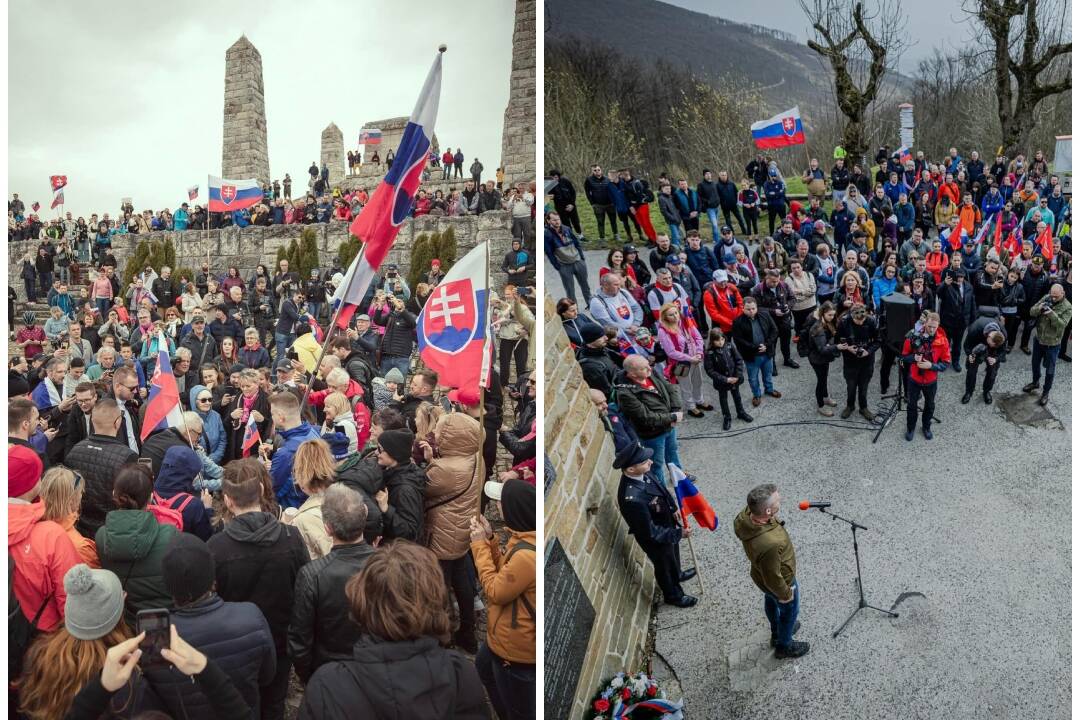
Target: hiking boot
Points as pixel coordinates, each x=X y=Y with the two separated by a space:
x=772 y=640
x=826 y=411
x=909 y=435
x=794 y=650
x=727 y=423
x=793 y=364
x=927 y=434
x=756 y=401
x=865 y=412
x=694 y=412
x=684 y=602
x=988 y=399
x=966 y=399
x=1030 y=387
x=847 y=412
x=1044 y=399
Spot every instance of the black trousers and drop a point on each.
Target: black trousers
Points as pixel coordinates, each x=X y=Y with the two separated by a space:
x=605 y=211
x=956 y=342
x=973 y=372
x=888 y=361
x=510 y=686
x=784 y=332
x=1012 y=324
x=736 y=397
x=1029 y=326
x=666 y=567
x=519 y=351
x=272 y=696
x=857 y=374
x=570 y=219
x=459 y=582
x=774 y=213
x=821 y=390
x=801 y=317
x=915 y=391
x=627 y=218
x=738 y=218
x=751 y=217
x=693 y=223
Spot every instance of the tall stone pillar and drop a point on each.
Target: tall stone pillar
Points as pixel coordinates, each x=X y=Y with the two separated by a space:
x=332 y=153
x=243 y=142
x=519 y=122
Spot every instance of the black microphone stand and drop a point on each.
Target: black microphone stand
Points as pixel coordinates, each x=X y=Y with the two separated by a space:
x=858 y=573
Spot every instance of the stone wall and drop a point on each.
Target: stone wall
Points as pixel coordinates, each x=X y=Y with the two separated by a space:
x=332 y=153
x=519 y=121
x=243 y=142
x=580 y=509
x=248 y=247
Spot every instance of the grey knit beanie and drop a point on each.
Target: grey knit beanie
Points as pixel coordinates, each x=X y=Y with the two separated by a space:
x=95 y=601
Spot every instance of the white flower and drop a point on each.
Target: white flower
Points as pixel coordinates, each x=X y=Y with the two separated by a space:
x=616 y=682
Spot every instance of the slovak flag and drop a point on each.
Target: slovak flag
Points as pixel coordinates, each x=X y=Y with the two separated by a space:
x=36 y=206
x=905 y=155
x=691 y=502
x=452 y=329
x=57 y=181
x=163 y=403
x=984 y=230
x=58 y=199
x=193 y=192
x=228 y=195
x=370 y=136
x=251 y=435
x=779 y=130
x=378 y=223
x=1044 y=243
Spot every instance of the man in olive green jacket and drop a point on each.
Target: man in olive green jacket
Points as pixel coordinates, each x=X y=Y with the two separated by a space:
x=772 y=566
x=1052 y=314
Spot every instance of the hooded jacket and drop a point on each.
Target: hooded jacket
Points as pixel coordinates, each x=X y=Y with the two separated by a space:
x=510 y=589
x=132 y=544
x=213 y=437
x=770 y=552
x=257 y=559
x=178 y=470
x=404 y=518
x=452 y=493
x=288 y=494
x=43 y=554
x=383 y=679
x=365 y=477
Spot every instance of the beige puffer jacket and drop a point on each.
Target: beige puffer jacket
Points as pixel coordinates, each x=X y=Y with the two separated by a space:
x=452 y=495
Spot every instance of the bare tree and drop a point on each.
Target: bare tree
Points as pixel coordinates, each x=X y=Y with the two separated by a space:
x=1030 y=42
x=861 y=48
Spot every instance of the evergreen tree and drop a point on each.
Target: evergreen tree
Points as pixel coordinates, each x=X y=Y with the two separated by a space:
x=347 y=251
x=423 y=251
x=447 y=249
x=308 y=256
x=136 y=262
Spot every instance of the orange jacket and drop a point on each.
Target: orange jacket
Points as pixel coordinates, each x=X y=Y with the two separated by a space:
x=936 y=262
x=43 y=555
x=952 y=190
x=719 y=306
x=510 y=589
x=970 y=216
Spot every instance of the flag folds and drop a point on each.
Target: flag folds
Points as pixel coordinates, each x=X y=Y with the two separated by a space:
x=779 y=130
x=229 y=195
x=452 y=329
x=57 y=181
x=251 y=435
x=691 y=502
x=163 y=403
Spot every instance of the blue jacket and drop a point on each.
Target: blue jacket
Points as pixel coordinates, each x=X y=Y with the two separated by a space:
x=213 y=435
x=775 y=195
x=687 y=202
x=893 y=191
x=553 y=241
x=992 y=203
x=288 y=494
x=881 y=287
x=254 y=358
x=1057 y=206
x=180 y=219
x=622 y=205
x=702 y=263
x=177 y=473
x=240 y=218
x=905 y=216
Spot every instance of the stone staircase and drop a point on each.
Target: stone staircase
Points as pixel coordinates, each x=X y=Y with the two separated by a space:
x=40 y=310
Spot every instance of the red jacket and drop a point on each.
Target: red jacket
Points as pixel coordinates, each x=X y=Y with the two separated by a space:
x=448 y=158
x=719 y=307
x=361 y=414
x=43 y=554
x=940 y=356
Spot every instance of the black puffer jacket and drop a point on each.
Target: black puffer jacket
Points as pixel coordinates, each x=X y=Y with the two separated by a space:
x=321 y=630
x=404 y=518
x=822 y=344
x=400 y=333
x=413 y=678
x=97 y=459
x=722 y=363
x=158 y=444
x=365 y=477
x=257 y=560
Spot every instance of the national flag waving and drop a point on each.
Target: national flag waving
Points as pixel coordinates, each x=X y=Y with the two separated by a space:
x=452 y=328
x=1044 y=243
x=378 y=223
x=36 y=206
x=956 y=237
x=984 y=230
x=193 y=192
x=905 y=155
x=57 y=181
x=228 y=195
x=997 y=236
x=58 y=199
x=163 y=403
x=691 y=502
x=251 y=435
x=370 y=136
x=779 y=130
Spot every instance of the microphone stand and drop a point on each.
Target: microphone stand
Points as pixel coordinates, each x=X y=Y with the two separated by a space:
x=858 y=573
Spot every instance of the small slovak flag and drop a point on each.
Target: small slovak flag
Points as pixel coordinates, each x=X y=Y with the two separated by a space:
x=58 y=199
x=193 y=192
x=36 y=206
x=57 y=181
x=251 y=435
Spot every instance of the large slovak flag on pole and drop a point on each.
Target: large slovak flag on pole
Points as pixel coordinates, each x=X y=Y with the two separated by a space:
x=779 y=130
x=229 y=195
x=452 y=329
x=378 y=223
x=163 y=403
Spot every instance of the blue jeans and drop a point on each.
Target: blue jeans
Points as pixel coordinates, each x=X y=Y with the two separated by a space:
x=392 y=361
x=314 y=309
x=675 y=232
x=665 y=449
x=103 y=307
x=282 y=341
x=1044 y=356
x=510 y=685
x=761 y=364
x=782 y=616
x=711 y=212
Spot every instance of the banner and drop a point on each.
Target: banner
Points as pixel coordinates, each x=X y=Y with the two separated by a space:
x=779 y=130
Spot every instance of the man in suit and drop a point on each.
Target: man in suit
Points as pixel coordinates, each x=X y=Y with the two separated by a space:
x=78 y=420
x=652 y=515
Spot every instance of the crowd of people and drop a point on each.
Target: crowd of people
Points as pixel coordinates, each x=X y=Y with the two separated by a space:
x=319 y=514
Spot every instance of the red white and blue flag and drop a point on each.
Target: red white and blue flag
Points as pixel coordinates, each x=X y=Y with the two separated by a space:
x=905 y=155
x=57 y=181
x=378 y=223
x=58 y=198
x=193 y=192
x=1044 y=243
x=163 y=403
x=370 y=136
x=984 y=230
x=229 y=195
x=251 y=435
x=452 y=329
x=691 y=502
x=779 y=130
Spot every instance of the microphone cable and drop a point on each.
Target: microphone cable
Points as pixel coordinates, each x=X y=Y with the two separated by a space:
x=842 y=424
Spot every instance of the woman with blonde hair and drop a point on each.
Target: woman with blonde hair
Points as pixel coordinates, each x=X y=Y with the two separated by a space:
x=849 y=294
x=313 y=471
x=685 y=350
x=190 y=302
x=61 y=493
x=339 y=417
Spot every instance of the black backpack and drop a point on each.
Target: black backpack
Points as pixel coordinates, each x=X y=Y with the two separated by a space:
x=21 y=632
x=803 y=344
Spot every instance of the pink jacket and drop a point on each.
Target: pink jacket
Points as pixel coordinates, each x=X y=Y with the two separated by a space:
x=680 y=346
x=43 y=554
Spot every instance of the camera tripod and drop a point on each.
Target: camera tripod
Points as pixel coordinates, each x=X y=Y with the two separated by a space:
x=858 y=574
x=899 y=398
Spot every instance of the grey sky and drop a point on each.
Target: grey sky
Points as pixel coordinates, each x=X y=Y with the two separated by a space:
x=128 y=101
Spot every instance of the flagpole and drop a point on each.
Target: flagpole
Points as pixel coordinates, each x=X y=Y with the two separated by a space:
x=484 y=359
x=689 y=540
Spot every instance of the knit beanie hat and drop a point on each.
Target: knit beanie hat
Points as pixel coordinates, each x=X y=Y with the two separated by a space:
x=24 y=470
x=17 y=386
x=95 y=602
x=394 y=375
x=397 y=444
x=518 y=502
x=187 y=568
x=339 y=444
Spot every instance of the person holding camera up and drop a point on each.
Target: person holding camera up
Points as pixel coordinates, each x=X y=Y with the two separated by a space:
x=397 y=342
x=290 y=314
x=393 y=284
x=857 y=340
x=957 y=308
x=1051 y=313
x=926 y=352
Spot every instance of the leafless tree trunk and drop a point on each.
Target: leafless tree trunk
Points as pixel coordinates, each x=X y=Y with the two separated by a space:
x=861 y=49
x=1034 y=46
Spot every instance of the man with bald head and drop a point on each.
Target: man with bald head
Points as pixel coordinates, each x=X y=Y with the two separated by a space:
x=1051 y=313
x=652 y=406
x=97 y=459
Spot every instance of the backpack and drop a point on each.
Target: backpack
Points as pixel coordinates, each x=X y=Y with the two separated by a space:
x=166 y=512
x=521 y=545
x=802 y=343
x=21 y=632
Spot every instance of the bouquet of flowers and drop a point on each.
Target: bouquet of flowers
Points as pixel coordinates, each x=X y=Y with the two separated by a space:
x=633 y=696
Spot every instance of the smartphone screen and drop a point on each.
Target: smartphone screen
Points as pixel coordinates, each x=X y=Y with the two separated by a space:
x=155 y=623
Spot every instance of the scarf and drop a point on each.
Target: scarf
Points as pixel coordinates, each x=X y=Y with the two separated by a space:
x=54 y=392
x=248 y=403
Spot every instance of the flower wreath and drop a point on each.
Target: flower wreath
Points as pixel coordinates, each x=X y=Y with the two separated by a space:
x=633 y=696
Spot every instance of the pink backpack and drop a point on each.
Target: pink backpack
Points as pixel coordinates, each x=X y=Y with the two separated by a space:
x=166 y=511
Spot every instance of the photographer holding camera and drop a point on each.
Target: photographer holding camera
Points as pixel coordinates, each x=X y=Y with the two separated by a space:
x=397 y=342
x=957 y=308
x=984 y=343
x=1052 y=313
x=926 y=353
x=393 y=284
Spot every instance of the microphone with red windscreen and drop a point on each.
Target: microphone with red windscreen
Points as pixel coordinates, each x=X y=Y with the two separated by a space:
x=806 y=505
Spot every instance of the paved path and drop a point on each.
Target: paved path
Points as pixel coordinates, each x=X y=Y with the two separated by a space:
x=977 y=521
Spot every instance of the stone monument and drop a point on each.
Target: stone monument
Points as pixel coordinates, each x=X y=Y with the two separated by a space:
x=243 y=142
x=332 y=153
x=519 y=121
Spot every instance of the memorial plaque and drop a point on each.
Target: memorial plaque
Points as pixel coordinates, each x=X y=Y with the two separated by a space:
x=568 y=621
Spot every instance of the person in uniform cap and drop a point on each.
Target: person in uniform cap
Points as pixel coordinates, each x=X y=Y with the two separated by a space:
x=651 y=513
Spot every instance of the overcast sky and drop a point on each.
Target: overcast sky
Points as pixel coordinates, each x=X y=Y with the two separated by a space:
x=126 y=97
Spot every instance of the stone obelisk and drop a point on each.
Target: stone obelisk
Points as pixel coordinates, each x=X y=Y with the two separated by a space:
x=243 y=142
x=519 y=121
x=332 y=154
